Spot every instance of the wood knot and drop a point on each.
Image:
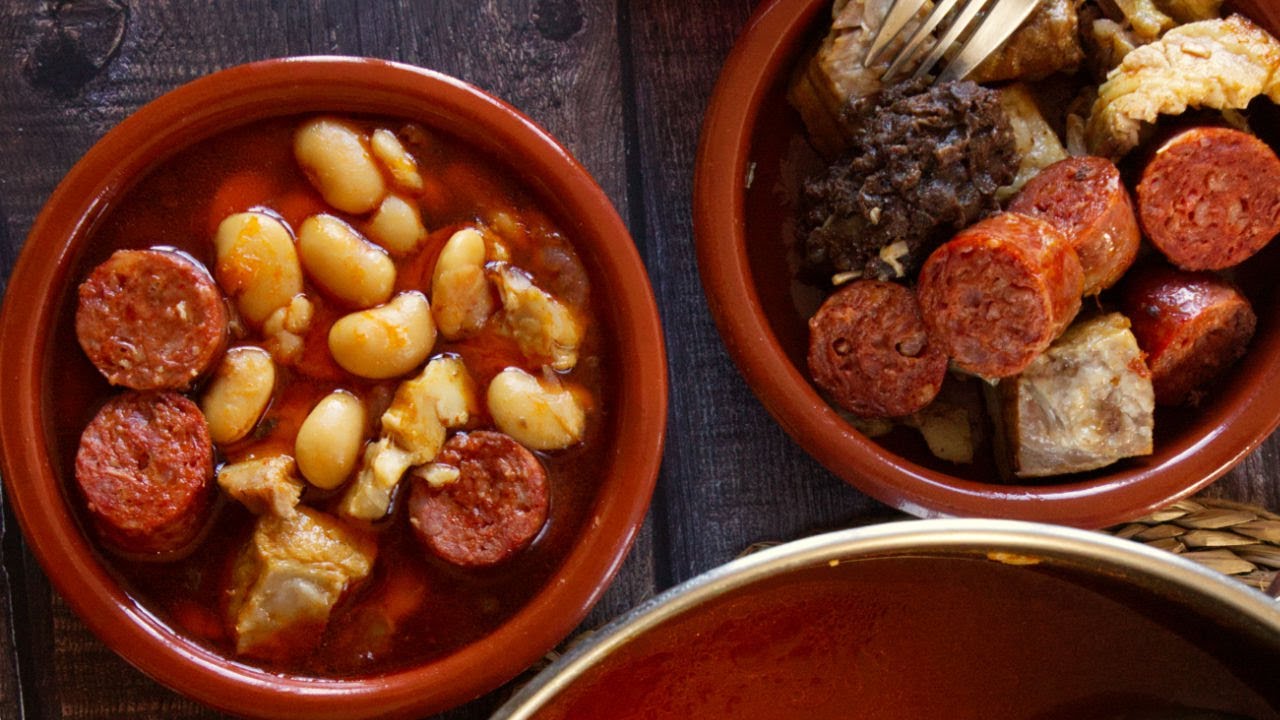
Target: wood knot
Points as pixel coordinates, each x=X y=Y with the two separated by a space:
x=558 y=20
x=73 y=42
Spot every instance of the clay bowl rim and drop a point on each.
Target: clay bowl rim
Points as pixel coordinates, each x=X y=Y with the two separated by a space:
x=765 y=52
x=288 y=86
x=1160 y=573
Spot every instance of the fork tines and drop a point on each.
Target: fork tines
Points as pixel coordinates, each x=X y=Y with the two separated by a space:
x=996 y=21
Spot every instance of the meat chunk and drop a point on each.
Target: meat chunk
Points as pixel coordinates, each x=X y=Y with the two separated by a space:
x=1221 y=64
x=288 y=579
x=1048 y=42
x=145 y=468
x=442 y=396
x=151 y=319
x=265 y=486
x=925 y=163
x=546 y=330
x=1146 y=21
x=835 y=75
x=1083 y=404
x=1038 y=145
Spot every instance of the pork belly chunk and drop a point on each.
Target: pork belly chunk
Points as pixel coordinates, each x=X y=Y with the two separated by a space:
x=1084 y=403
x=288 y=579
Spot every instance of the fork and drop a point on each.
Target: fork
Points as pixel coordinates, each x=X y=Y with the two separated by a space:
x=995 y=26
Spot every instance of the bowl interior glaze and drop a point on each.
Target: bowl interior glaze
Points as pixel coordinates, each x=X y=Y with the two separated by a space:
x=37 y=486
x=750 y=143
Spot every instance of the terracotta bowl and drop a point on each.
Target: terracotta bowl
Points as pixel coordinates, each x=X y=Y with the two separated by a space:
x=967 y=618
x=38 y=478
x=741 y=222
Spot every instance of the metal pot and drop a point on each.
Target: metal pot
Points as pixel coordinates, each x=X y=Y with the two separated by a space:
x=931 y=618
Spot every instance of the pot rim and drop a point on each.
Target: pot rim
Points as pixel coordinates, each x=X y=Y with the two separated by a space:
x=1066 y=546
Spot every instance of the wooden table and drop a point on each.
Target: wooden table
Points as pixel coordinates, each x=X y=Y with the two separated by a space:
x=622 y=84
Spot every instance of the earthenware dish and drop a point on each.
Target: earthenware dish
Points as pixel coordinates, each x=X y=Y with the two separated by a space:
x=741 y=224
x=38 y=490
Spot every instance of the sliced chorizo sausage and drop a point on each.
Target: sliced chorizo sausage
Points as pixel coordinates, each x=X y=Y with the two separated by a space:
x=999 y=292
x=868 y=349
x=145 y=469
x=1190 y=325
x=491 y=502
x=151 y=319
x=1085 y=199
x=1210 y=198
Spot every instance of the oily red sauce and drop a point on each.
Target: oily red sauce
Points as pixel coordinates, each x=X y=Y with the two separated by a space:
x=413 y=607
x=928 y=637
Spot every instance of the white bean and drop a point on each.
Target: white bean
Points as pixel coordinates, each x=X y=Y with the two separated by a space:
x=387 y=340
x=256 y=264
x=239 y=392
x=344 y=263
x=461 y=299
x=338 y=163
x=329 y=440
x=397 y=226
x=541 y=414
x=391 y=153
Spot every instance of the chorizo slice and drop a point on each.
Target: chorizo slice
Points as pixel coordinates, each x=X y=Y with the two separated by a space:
x=145 y=469
x=151 y=319
x=483 y=499
x=1210 y=198
x=1190 y=325
x=998 y=293
x=868 y=349
x=1085 y=199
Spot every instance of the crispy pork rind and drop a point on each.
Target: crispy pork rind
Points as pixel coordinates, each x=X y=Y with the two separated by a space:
x=1221 y=64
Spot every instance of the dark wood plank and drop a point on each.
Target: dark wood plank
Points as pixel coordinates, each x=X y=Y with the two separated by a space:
x=731 y=476
x=10 y=682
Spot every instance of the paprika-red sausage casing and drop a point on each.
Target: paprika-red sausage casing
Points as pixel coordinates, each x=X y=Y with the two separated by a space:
x=145 y=468
x=998 y=293
x=1210 y=198
x=869 y=350
x=1085 y=199
x=495 y=507
x=151 y=319
x=1190 y=325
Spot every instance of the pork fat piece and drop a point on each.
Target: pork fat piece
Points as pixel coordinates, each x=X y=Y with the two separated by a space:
x=288 y=579
x=1083 y=404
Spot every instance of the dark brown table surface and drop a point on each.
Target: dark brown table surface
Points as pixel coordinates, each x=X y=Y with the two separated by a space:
x=622 y=84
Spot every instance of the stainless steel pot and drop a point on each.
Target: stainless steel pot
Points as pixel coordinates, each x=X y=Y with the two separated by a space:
x=1244 y=617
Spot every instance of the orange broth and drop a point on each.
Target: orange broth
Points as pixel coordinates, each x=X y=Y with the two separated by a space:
x=413 y=607
x=902 y=638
